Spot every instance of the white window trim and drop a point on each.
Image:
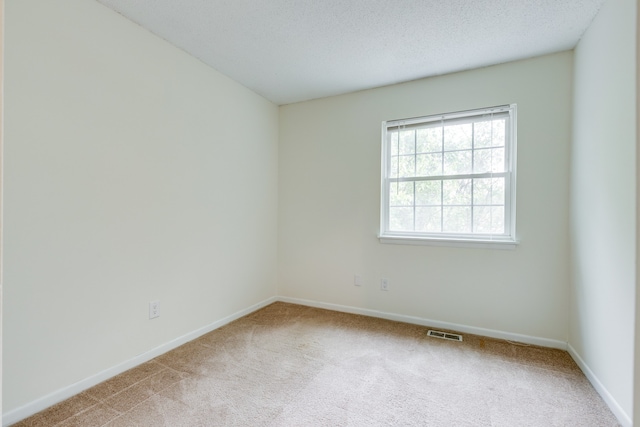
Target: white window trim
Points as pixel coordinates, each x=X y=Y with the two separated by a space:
x=507 y=241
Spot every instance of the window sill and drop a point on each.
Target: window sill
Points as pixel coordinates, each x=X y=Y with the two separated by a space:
x=459 y=243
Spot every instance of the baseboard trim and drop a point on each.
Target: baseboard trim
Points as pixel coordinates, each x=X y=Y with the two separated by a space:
x=611 y=402
x=51 y=399
x=525 y=339
x=57 y=396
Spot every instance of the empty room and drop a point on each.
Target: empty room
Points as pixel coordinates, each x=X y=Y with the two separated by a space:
x=331 y=213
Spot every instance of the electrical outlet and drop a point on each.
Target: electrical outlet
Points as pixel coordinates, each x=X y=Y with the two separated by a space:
x=384 y=284
x=357 y=280
x=154 y=309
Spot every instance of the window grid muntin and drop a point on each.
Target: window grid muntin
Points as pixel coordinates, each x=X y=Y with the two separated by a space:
x=507 y=114
x=442 y=206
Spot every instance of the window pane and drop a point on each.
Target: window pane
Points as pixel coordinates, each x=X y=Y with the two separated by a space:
x=482 y=134
x=429 y=164
x=482 y=191
x=393 y=146
x=497 y=194
x=407 y=142
x=497 y=219
x=407 y=166
x=429 y=140
x=456 y=219
x=401 y=219
x=488 y=219
x=489 y=133
x=428 y=219
x=482 y=160
x=499 y=132
x=488 y=191
x=497 y=160
x=428 y=193
x=457 y=192
x=401 y=194
x=488 y=160
x=457 y=137
x=457 y=162
x=482 y=219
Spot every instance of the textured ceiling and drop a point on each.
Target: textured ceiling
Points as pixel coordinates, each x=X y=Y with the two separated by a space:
x=295 y=50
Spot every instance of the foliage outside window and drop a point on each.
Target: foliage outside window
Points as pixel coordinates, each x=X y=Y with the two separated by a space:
x=450 y=178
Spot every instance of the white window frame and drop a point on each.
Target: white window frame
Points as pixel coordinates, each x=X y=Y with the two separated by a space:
x=507 y=240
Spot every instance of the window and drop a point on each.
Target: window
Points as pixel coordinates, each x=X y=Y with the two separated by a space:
x=450 y=178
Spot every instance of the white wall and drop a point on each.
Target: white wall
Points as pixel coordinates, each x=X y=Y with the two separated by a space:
x=603 y=201
x=329 y=195
x=133 y=172
x=636 y=387
x=1 y=151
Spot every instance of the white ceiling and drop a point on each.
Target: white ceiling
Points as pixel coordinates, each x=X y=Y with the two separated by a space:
x=295 y=50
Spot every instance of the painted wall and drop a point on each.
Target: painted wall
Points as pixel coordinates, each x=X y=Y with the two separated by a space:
x=1 y=151
x=636 y=387
x=603 y=202
x=133 y=172
x=329 y=195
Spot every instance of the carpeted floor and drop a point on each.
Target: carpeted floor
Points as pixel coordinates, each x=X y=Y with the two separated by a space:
x=289 y=365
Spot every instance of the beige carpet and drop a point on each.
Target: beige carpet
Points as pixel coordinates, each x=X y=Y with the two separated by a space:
x=289 y=365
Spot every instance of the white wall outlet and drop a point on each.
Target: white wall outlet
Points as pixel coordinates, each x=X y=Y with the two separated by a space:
x=357 y=280
x=384 y=284
x=154 y=309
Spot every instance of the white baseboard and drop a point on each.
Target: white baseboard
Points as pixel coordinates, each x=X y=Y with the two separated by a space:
x=67 y=392
x=57 y=396
x=617 y=410
x=526 y=339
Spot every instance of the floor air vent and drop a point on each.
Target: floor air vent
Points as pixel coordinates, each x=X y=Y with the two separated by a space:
x=444 y=335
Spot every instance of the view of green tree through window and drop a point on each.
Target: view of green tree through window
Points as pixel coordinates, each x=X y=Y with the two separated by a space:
x=450 y=176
